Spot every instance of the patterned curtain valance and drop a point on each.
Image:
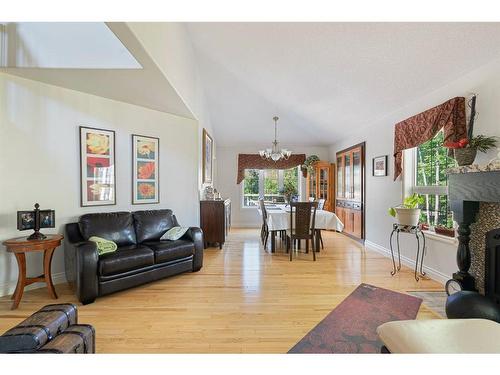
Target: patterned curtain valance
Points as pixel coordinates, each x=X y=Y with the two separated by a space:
x=412 y=132
x=254 y=161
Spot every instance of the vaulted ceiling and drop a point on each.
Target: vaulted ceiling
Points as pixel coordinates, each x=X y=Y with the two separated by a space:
x=96 y=58
x=326 y=79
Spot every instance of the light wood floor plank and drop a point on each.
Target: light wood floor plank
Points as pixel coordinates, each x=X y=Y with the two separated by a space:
x=244 y=300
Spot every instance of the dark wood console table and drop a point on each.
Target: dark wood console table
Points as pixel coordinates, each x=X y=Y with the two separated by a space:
x=215 y=221
x=19 y=247
x=467 y=186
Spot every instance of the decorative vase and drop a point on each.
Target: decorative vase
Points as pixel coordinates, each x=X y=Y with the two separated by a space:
x=407 y=216
x=465 y=156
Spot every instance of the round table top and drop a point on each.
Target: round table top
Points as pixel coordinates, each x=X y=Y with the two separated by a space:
x=33 y=245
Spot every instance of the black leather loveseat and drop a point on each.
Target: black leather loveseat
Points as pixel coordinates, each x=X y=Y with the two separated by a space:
x=141 y=256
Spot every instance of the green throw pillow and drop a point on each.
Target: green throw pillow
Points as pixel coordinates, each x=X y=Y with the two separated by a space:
x=104 y=246
x=174 y=233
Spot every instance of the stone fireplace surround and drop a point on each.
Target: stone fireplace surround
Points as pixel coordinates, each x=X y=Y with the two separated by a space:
x=474 y=194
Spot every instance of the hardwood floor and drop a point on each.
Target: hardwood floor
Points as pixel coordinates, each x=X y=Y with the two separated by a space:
x=244 y=300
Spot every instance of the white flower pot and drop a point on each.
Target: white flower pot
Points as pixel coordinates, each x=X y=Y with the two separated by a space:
x=407 y=216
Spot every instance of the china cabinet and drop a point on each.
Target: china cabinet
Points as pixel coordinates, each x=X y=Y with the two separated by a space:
x=350 y=187
x=320 y=184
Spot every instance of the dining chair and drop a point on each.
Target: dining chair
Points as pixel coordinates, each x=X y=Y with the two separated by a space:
x=264 y=232
x=321 y=206
x=302 y=221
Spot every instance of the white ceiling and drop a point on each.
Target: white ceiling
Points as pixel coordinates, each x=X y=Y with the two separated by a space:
x=326 y=79
x=147 y=87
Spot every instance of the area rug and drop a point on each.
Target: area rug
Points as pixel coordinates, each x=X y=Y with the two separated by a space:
x=351 y=326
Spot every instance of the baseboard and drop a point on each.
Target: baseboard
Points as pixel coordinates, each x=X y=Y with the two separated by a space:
x=243 y=225
x=8 y=288
x=431 y=272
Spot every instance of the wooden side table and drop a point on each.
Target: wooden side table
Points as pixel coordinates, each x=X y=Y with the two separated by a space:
x=19 y=247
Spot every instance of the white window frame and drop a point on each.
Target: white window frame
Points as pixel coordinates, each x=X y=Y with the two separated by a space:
x=281 y=175
x=410 y=187
x=410 y=177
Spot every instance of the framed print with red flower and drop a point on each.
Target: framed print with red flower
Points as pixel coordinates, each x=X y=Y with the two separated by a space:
x=145 y=169
x=97 y=167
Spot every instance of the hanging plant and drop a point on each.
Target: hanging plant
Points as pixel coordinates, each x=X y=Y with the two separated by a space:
x=308 y=164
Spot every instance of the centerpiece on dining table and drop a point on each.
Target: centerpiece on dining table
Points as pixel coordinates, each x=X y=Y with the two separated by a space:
x=289 y=192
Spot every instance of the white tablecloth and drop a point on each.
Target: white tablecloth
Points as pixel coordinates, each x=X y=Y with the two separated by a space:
x=278 y=218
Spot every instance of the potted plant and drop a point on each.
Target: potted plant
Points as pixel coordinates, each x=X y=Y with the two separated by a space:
x=444 y=231
x=308 y=164
x=288 y=192
x=465 y=150
x=408 y=213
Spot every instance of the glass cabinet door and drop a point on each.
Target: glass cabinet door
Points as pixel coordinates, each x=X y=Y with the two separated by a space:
x=356 y=174
x=323 y=183
x=340 y=177
x=312 y=184
x=347 y=176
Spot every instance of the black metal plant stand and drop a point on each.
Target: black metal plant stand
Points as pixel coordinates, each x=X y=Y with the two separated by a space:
x=411 y=229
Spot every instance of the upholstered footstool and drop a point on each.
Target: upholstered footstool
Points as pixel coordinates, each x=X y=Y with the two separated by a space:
x=441 y=336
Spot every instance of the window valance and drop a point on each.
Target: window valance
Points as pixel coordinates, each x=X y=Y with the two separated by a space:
x=449 y=116
x=254 y=161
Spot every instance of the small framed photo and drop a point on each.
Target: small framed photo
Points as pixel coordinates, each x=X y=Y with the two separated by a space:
x=25 y=220
x=145 y=169
x=380 y=166
x=47 y=219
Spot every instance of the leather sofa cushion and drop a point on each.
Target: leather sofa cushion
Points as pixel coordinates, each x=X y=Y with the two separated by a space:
x=114 y=226
x=166 y=251
x=150 y=225
x=126 y=258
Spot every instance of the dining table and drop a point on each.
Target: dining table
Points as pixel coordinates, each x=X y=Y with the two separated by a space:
x=278 y=218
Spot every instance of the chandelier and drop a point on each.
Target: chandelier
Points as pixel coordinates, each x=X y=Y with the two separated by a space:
x=275 y=153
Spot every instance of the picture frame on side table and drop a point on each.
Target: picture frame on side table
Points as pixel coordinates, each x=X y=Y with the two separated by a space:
x=380 y=166
x=208 y=157
x=145 y=169
x=97 y=167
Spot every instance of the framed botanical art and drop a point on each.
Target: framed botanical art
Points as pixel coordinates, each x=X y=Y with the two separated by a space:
x=145 y=169
x=380 y=166
x=208 y=152
x=97 y=167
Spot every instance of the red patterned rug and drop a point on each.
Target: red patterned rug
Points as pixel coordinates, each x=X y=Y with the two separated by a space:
x=351 y=326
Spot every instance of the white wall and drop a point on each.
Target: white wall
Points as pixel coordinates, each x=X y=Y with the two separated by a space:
x=227 y=166
x=169 y=45
x=39 y=159
x=382 y=192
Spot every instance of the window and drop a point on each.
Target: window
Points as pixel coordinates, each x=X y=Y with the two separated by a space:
x=428 y=164
x=269 y=184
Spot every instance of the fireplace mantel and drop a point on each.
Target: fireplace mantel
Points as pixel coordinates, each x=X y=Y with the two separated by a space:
x=467 y=187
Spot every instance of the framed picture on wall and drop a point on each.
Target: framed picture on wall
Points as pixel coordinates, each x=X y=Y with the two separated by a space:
x=145 y=169
x=97 y=167
x=380 y=166
x=208 y=155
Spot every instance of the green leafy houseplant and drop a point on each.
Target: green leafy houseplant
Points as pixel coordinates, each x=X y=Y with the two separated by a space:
x=308 y=163
x=482 y=143
x=408 y=212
